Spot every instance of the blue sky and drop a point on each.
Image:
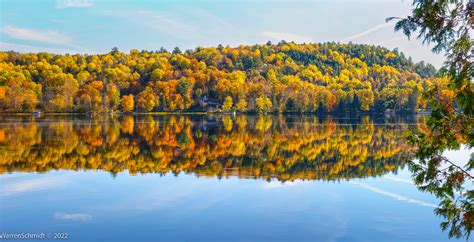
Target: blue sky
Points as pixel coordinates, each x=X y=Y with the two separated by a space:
x=94 y=26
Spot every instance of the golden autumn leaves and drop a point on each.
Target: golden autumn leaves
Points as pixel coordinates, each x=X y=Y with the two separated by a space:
x=287 y=77
x=248 y=146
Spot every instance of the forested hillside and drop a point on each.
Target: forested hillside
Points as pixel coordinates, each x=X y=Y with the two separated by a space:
x=286 y=77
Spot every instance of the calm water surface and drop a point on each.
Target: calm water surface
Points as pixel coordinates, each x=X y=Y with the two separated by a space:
x=213 y=178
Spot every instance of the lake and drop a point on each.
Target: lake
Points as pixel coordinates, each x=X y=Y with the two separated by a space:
x=213 y=178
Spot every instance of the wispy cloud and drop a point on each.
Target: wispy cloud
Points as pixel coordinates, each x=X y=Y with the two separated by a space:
x=279 y=184
x=159 y=21
x=76 y=217
x=368 y=31
x=398 y=179
x=45 y=36
x=392 y=40
x=154 y=199
x=212 y=20
x=32 y=185
x=394 y=195
x=183 y=25
x=74 y=4
x=277 y=36
x=5 y=46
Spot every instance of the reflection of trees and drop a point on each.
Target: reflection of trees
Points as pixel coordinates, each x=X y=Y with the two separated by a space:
x=287 y=148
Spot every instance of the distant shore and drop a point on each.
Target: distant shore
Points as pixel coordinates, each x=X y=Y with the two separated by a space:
x=212 y=112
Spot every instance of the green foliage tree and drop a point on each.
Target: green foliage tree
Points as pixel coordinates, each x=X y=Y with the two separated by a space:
x=446 y=25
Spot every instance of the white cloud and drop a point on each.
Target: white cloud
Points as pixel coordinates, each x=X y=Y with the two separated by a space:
x=76 y=217
x=74 y=4
x=26 y=186
x=45 y=36
x=277 y=36
x=368 y=31
x=5 y=46
x=398 y=179
x=393 y=195
x=279 y=184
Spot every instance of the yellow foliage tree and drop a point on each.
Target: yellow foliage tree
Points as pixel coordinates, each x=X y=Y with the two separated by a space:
x=127 y=103
x=227 y=106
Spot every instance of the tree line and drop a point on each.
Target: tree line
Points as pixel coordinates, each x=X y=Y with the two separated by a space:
x=283 y=77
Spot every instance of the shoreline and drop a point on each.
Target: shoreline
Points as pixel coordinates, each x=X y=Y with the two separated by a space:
x=34 y=114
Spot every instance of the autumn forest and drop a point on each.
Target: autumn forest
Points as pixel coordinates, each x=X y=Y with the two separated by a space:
x=283 y=77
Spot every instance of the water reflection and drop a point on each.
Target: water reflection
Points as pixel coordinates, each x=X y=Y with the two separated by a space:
x=281 y=147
